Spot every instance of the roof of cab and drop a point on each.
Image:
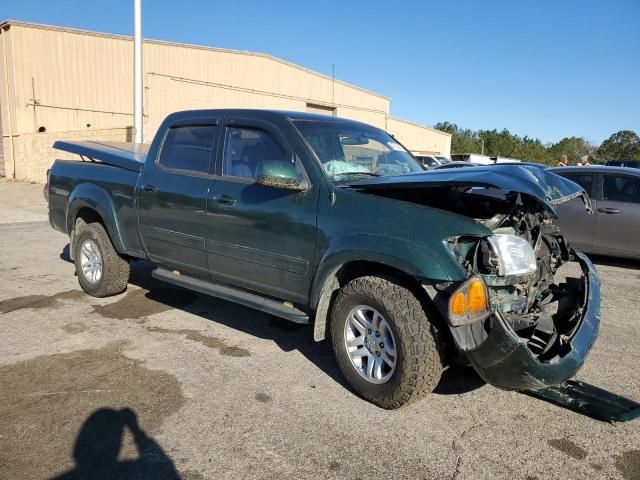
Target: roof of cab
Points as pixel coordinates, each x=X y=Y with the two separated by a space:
x=265 y=114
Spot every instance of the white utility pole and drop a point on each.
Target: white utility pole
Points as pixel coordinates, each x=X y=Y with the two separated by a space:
x=137 y=69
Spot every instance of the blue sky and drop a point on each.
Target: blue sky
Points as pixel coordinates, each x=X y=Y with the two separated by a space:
x=546 y=69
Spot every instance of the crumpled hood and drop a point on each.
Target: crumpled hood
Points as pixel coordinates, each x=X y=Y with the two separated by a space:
x=530 y=179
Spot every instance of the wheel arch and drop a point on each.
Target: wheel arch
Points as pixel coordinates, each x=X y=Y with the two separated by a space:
x=339 y=273
x=93 y=204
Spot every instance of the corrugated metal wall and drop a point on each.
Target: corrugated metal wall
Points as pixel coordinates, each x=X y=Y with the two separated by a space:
x=66 y=81
x=70 y=80
x=418 y=138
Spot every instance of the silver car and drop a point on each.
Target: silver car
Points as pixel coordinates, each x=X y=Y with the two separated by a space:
x=431 y=161
x=614 y=227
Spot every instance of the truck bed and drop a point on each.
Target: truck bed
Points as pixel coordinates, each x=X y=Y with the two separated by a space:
x=107 y=181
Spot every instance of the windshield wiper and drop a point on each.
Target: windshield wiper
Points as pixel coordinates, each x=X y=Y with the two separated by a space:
x=354 y=174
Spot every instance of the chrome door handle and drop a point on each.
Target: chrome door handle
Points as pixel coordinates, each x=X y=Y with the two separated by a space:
x=609 y=210
x=150 y=188
x=224 y=199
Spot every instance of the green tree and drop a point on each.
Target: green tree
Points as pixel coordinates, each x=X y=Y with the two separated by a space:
x=448 y=127
x=533 y=150
x=623 y=145
x=573 y=147
x=501 y=144
x=462 y=140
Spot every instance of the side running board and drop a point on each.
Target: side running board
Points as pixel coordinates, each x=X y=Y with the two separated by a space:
x=284 y=310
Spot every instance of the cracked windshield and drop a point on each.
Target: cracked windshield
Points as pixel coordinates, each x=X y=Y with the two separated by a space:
x=347 y=152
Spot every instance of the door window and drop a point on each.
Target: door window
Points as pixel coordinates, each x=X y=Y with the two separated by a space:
x=585 y=180
x=245 y=148
x=621 y=188
x=188 y=148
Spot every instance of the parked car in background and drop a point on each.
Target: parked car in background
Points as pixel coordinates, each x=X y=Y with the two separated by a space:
x=471 y=157
x=614 y=227
x=431 y=161
x=481 y=159
x=624 y=163
x=505 y=160
x=456 y=165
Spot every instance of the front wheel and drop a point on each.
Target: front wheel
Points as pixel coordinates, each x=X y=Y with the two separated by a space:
x=101 y=270
x=385 y=344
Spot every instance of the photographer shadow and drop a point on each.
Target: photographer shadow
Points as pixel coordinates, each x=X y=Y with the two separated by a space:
x=98 y=446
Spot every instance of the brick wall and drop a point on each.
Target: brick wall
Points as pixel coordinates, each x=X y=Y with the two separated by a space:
x=34 y=153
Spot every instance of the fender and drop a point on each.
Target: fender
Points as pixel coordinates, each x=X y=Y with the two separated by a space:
x=87 y=195
x=400 y=254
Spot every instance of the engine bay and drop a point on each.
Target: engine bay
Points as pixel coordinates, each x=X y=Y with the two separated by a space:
x=541 y=310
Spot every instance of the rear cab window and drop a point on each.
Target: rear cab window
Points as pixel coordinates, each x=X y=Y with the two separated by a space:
x=188 y=148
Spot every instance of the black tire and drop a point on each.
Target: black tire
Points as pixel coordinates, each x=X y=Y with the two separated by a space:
x=115 y=268
x=419 y=349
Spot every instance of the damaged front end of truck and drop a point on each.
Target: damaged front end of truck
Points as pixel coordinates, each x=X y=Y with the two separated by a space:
x=528 y=312
x=536 y=326
x=519 y=320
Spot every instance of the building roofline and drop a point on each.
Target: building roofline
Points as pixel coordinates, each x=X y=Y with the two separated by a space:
x=9 y=22
x=397 y=119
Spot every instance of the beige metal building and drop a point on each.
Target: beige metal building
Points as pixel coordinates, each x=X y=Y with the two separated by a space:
x=61 y=83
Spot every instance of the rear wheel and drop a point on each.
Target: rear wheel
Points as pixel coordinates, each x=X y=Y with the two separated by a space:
x=384 y=342
x=101 y=270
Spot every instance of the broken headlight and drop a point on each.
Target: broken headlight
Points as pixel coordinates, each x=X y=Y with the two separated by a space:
x=513 y=255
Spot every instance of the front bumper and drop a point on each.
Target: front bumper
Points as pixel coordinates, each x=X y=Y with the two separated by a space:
x=504 y=360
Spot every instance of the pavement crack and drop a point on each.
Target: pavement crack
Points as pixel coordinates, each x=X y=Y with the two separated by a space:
x=456 y=471
x=458 y=450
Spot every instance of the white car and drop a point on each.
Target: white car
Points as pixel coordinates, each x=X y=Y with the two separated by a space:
x=431 y=161
x=481 y=159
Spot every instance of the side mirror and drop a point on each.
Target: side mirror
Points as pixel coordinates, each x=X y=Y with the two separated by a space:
x=278 y=174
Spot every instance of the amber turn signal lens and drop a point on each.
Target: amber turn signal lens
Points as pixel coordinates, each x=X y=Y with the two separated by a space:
x=469 y=303
x=477 y=296
x=459 y=304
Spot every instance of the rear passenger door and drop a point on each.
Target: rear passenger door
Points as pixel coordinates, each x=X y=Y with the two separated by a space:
x=172 y=196
x=618 y=212
x=575 y=223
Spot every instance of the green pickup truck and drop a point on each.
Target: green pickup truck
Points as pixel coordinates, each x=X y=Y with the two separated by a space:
x=329 y=221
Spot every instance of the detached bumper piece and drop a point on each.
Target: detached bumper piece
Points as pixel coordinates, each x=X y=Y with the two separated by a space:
x=590 y=400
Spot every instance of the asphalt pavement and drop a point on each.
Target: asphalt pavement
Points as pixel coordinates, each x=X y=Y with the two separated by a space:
x=160 y=382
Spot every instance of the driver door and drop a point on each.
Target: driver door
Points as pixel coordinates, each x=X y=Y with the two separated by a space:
x=259 y=237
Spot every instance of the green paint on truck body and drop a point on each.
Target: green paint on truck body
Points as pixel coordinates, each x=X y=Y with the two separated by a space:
x=286 y=240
